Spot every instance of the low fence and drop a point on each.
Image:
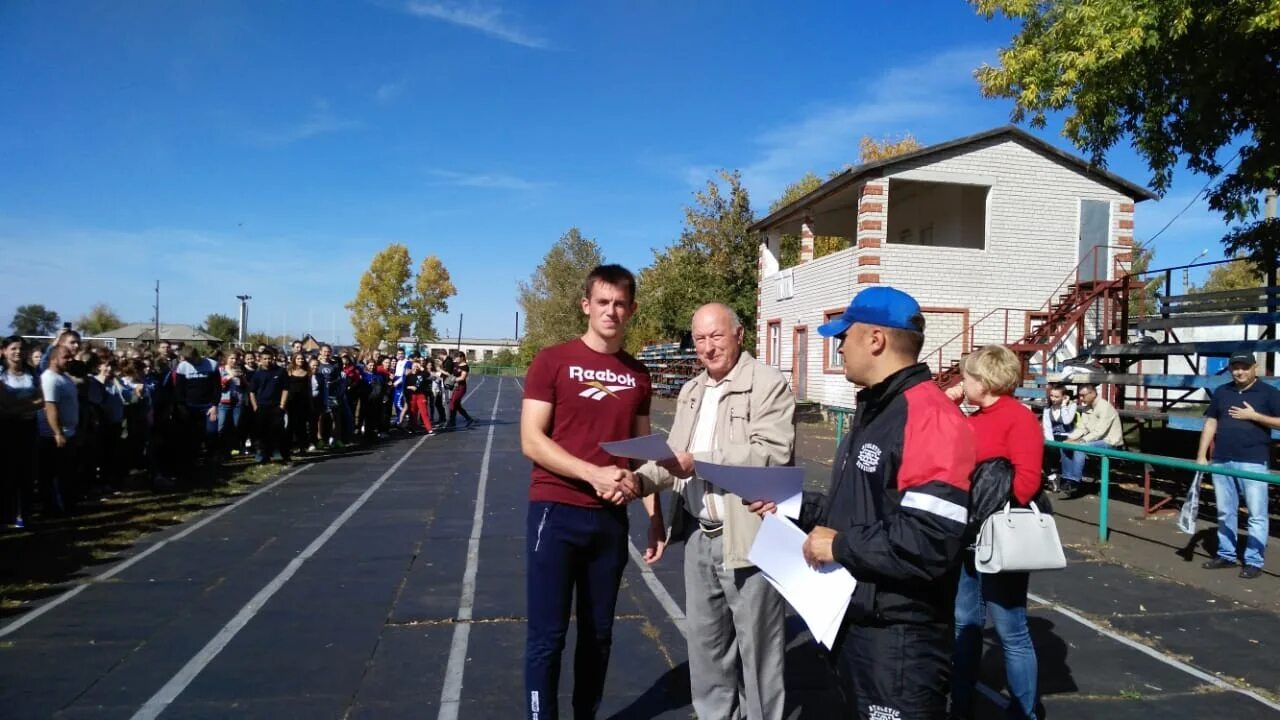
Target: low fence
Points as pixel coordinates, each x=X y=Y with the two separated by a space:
x=1106 y=455
x=497 y=370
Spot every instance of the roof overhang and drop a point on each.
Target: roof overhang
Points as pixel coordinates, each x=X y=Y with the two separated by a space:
x=823 y=200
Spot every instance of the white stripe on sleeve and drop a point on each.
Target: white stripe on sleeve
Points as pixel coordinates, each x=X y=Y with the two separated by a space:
x=935 y=505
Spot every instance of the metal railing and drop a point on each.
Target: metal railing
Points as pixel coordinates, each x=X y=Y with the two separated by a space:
x=1106 y=455
x=497 y=370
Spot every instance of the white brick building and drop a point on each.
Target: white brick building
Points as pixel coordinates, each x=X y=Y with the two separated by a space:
x=982 y=231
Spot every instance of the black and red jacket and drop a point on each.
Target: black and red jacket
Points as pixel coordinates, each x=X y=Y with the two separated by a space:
x=899 y=501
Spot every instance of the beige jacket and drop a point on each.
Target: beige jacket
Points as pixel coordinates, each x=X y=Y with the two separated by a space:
x=754 y=426
x=1099 y=421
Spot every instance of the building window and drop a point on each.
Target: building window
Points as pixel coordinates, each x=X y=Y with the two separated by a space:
x=773 y=351
x=471 y=355
x=786 y=284
x=488 y=355
x=935 y=214
x=832 y=362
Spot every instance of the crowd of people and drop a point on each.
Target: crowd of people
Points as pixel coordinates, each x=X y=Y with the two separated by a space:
x=77 y=422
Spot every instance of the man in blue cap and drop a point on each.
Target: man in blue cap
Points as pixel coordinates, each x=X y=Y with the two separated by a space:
x=895 y=514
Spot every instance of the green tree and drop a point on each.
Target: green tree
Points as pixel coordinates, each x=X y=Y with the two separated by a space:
x=34 y=320
x=1237 y=275
x=1143 y=303
x=551 y=297
x=432 y=290
x=99 y=319
x=223 y=327
x=254 y=339
x=1176 y=79
x=380 y=309
x=505 y=358
x=714 y=260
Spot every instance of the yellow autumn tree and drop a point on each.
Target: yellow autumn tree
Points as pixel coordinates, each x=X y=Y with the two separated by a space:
x=380 y=310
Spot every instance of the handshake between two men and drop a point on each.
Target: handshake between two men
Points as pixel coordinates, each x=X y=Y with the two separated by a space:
x=619 y=486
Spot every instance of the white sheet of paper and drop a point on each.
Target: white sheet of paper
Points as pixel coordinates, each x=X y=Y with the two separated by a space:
x=821 y=597
x=781 y=485
x=647 y=447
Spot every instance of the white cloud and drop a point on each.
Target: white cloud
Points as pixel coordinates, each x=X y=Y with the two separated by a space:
x=935 y=93
x=488 y=20
x=389 y=92
x=320 y=121
x=200 y=272
x=496 y=181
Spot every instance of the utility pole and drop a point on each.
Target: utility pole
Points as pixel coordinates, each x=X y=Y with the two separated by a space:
x=157 y=306
x=517 y=335
x=459 y=332
x=1269 y=213
x=244 y=317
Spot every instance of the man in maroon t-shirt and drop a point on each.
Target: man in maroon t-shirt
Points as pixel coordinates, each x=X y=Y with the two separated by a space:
x=576 y=396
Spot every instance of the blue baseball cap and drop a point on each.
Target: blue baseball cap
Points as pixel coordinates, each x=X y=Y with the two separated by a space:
x=883 y=306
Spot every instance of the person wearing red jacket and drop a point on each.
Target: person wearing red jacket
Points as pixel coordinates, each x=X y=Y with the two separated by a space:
x=1002 y=428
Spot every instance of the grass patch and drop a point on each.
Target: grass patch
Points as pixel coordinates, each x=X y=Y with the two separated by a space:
x=34 y=562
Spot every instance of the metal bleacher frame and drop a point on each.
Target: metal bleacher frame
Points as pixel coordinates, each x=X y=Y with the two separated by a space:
x=670 y=366
x=1155 y=395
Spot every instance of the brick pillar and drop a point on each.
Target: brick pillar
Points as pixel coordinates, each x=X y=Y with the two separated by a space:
x=873 y=221
x=1123 y=235
x=806 y=240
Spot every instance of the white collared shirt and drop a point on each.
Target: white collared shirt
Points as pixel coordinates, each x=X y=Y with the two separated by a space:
x=707 y=506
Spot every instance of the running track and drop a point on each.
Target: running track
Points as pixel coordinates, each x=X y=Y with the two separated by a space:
x=390 y=583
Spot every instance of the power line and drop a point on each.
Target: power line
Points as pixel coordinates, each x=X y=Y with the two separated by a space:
x=1142 y=245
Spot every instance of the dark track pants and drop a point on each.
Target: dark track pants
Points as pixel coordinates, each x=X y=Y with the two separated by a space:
x=896 y=672
x=572 y=552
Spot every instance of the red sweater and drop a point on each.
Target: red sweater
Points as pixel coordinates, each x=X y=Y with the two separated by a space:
x=1007 y=429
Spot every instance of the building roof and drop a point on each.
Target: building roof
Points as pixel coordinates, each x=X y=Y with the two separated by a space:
x=447 y=341
x=147 y=331
x=877 y=168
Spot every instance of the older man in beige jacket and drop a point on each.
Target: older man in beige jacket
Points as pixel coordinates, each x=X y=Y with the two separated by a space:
x=738 y=411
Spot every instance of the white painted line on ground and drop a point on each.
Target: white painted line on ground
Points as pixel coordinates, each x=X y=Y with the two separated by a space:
x=116 y=570
x=519 y=384
x=451 y=694
x=1152 y=652
x=659 y=590
x=179 y=682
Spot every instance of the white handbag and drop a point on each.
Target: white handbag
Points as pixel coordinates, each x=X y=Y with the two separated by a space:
x=1018 y=540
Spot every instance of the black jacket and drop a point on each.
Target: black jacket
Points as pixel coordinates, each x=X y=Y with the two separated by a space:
x=899 y=501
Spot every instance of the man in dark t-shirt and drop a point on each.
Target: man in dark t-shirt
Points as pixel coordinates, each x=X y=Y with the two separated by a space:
x=576 y=396
x=1238 y=424
x=268 y=394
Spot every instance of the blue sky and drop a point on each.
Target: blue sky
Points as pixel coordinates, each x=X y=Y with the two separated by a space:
x=271 y=148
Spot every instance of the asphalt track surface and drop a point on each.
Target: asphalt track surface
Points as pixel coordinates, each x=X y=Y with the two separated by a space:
x=373 y=585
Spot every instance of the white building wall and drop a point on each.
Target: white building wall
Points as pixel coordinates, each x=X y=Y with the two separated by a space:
x=1031 y=247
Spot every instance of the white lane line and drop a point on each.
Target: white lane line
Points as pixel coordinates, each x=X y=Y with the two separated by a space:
x=519 y=384
x=659 y=590
x=451 y=694
x=179 y=682
x=1152 y=652
x=116 y=570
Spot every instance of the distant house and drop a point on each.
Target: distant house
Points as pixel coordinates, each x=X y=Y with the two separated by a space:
x=981 y=230
x=145 y=334
x=477 y=349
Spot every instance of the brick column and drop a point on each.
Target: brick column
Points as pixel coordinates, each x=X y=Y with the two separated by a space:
x=873 y=220
x=1124 y=235
x=806 y=240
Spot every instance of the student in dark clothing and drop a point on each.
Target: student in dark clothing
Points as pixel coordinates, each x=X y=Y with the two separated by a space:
x=461 y=372
x=197 y=387
x=417 y=388
x=301 y=430
x=269 y=395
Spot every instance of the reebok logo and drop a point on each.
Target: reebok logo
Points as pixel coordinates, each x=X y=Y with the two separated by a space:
x=601 y=383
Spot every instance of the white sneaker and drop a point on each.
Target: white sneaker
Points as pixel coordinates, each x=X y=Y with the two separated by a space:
x=311 y=448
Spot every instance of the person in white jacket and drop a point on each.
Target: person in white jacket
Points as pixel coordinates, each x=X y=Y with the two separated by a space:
x=1059 y=421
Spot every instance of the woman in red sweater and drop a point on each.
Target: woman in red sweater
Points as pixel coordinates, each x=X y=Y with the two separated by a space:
x=1002 y=428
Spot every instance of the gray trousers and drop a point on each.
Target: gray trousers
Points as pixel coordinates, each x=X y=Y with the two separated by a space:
x=737 y=637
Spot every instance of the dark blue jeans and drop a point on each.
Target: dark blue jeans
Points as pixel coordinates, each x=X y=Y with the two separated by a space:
x=1003 y=598
x=573 y=553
